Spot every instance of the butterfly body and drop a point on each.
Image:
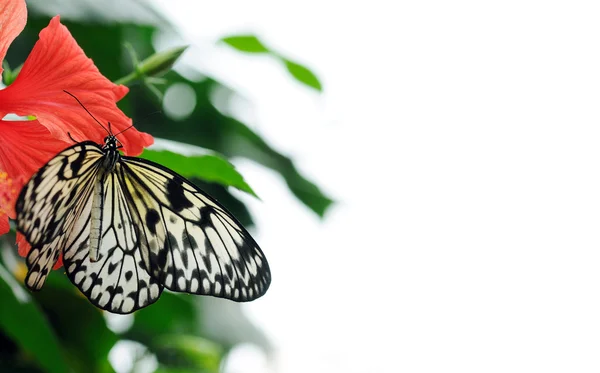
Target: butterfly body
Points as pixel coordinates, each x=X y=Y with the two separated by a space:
x=109 y=162
x=128 y=227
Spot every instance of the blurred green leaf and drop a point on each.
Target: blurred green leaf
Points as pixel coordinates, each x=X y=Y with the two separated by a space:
x=303 y=74
x=207 y=167
x=246 y=43
x=23 y=321
x=168 y=369
x=171 y=314
x=248 y=144
x=8 y=74
x=170 y=329
x=251 y=44
x=188 y=351
x=79 y=325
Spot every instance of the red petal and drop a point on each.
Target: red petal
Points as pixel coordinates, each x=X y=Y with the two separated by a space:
x=9 y=191
x=57 y=63
x=24 y=246
x=13 y=16
x=59 y=263
x=26 y=146
x=4 y=226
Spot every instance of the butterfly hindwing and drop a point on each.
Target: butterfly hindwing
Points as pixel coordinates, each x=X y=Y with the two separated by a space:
x=117 y=281
x=41 y=259
x=44 y=206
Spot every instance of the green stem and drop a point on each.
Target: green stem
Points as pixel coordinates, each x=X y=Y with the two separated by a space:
x=129 y=78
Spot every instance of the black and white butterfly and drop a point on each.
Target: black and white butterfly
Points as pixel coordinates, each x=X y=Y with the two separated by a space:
x=128 y=227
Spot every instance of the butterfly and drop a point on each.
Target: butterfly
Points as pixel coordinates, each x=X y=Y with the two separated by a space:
x=128 y=228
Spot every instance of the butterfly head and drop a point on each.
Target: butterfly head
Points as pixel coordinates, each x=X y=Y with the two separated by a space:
x=112 y=143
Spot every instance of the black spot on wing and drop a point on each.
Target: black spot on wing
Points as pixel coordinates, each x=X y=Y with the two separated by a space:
x=229 y=270
x=207 y=262
x=112 y=267
x=205 y=217
x=71 y=196
x=161 y=257
x=152 y=218
x=184 y=258
x=55 y=197
x=78 y=162
x=176 y=196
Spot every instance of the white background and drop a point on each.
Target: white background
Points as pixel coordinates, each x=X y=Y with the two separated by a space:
x=462 y=143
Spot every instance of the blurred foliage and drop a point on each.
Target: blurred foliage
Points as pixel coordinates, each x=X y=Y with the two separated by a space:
x=207 y=167
x=24 y=323
x=251 y=44
x=57 y=329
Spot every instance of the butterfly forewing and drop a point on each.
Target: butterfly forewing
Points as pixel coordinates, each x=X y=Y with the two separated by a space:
x=46 y=200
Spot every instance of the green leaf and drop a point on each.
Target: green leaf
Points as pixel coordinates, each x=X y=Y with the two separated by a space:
x=9 y=75
x=249 y=144
x=207 y=167
x=251 y=44
x=246 y=43
x=80 y=326
x=151 y=321
x=188 y=351
x=303 y=74
x=23 y=321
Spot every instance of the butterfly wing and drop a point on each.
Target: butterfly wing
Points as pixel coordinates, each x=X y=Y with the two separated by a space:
x=45 y=202
x=190 y=243
x=41 y=259
x=117 y=281
x=54 y=214
x=45 y=205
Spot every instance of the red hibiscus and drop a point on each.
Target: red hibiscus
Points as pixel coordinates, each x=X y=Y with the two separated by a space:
x=55 y=64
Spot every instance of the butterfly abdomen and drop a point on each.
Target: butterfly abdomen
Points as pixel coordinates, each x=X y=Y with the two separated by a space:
x=111 y=157
x=96 y=217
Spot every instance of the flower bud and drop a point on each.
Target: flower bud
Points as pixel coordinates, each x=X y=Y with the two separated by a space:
x=160 y=63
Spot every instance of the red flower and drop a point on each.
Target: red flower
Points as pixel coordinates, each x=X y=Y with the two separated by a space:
x=55 y=64
x=9 y=190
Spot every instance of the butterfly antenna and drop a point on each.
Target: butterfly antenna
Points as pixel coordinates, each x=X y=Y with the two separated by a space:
x=124 y=130
x=84 y=108
x=156 y=112
x=71 y=137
